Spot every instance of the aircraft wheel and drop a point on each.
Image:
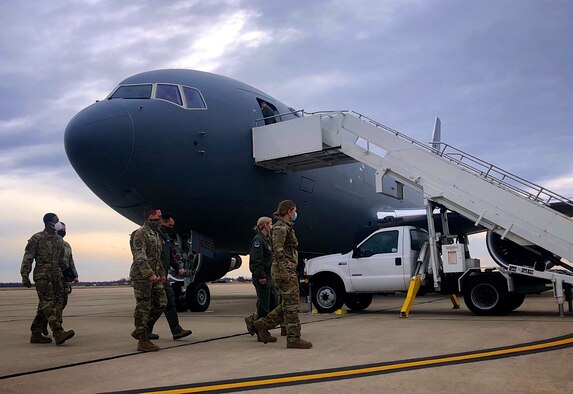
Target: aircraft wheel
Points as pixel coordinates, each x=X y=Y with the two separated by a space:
x=198 y=297
x=486 y=296
x=358 y=302
x=180 y=301
x=327 y=296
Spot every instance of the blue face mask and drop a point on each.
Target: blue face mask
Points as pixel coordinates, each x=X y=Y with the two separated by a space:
x=295 y=216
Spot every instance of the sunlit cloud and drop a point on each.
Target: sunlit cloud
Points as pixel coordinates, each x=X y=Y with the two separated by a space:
x=216 y=40
x=562 y=185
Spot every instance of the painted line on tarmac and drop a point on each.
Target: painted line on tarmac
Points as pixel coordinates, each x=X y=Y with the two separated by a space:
x=98 y=360
x=357 y=371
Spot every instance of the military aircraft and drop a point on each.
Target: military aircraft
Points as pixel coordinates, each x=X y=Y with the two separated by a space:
x=182 y=140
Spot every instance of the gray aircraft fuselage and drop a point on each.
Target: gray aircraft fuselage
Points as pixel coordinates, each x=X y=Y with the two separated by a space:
x=197 y=164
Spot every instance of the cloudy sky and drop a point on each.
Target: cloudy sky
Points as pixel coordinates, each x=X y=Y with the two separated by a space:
x=498 y=73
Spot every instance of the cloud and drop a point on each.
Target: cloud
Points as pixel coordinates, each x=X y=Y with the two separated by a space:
x=497 y=73
x=562 y=185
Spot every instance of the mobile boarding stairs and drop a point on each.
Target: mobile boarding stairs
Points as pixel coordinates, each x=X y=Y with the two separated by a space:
x=492 y=198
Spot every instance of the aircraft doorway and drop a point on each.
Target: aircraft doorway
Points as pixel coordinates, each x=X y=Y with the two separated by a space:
x=269 y=112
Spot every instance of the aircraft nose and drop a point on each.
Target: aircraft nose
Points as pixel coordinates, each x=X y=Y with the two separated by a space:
x=99 y=142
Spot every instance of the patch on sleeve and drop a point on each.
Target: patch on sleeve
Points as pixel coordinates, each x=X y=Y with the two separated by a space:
x=256 y=244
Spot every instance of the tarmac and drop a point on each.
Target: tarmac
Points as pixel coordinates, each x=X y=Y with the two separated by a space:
x=436 y=349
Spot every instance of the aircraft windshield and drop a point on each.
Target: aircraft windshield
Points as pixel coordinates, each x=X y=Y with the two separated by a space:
x=132 y=92
x=193 y=98
x=182 y=96
x=169 y=93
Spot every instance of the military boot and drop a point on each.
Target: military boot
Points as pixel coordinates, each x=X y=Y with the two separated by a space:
x=39 y=338
x=269 y=339
x=63 y=336
x=262 y=332
x=249 y=321
x=299 y=343
x=135 y=335
x=180 y=334
x=145 y=345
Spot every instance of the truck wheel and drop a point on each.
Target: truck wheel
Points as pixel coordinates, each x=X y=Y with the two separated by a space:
x=180 y=301
x=358 y=302
x=486 y=296
x=515 y=301
x=327 y=296
x=198 y=297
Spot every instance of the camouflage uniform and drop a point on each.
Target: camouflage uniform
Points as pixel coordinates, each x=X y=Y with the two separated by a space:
x=168 y=260
x=260 y=262
x=48 y=251
x=150 y=297
x=285 y=262
x=67 y=265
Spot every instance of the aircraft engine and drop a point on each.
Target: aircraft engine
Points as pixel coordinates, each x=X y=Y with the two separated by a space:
x=213 y=268
x=505 y=252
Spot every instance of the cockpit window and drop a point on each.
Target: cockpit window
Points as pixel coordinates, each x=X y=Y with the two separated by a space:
x=169 y=93
x=132 y=92
x=193 y=98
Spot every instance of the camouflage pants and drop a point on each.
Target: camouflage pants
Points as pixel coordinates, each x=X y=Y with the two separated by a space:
x=50 y=305
x=150 y=301
x=287 y=311
x=66 y=290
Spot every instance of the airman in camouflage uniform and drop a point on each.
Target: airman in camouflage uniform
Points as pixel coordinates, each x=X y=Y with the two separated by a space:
x=260 y=262
x=147 y=276
x=285 y=262
x=168 y=252
x=47 y=249
x=69 y=272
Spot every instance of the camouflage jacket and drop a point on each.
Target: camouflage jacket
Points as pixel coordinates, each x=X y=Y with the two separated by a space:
x=146 y=248
x=68 y=261
x=260 y=257
x=48 y=251
x=284 y=244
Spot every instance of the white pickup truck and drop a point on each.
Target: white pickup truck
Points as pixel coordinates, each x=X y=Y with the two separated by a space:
x=382 y=263
x=388 y=258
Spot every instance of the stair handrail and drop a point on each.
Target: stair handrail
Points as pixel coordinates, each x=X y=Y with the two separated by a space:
x=538 y=193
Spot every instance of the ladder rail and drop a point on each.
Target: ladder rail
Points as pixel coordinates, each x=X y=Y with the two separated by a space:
x=501 y=176
x=538 y=193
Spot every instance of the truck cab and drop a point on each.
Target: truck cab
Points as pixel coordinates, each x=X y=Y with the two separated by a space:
x=382 y=263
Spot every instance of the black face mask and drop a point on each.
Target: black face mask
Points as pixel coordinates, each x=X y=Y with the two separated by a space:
x=168 y=230
x=62 y=233
x=154 y=224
